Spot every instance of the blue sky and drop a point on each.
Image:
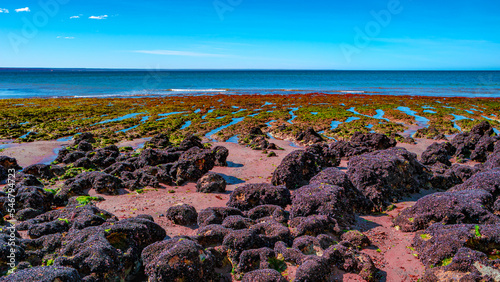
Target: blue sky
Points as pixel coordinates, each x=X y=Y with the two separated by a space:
x=251 y=34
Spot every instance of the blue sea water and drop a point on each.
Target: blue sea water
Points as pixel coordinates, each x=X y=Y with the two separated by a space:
x=23 y=83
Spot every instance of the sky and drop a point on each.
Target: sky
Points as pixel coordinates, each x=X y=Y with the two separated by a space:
x=251 y=34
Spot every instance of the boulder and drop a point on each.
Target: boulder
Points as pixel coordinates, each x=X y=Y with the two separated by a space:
x=211 y=183
x=308 y=137
x=466 y=265
x=249 y=196
x=182 y=214
x=296 y=169
x=221 y=153
x=44 y=171
x=387 y=175
x=469 y=206
x=323 y=199
x=438 y=152
x=263 y=275
x=336 y=177
x=440 y=243
x=44 y=274
x=215 y=215
x=178 y=260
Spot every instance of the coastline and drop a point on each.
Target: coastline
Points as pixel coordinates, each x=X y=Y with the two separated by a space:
x=246 y=126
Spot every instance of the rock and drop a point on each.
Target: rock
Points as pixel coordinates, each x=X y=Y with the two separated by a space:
x=83 y=162
x=356 y=238
x=84 y=146
x=272 y=232
x=324 y=155
x=249 y=196
x=62 y=220
x=109 y=252
x=375 y=141
x=237 y=241
x=465 y=144
x=463 y=172
x=348 y=149
x=314 y=225
x=492 y=162
x=387 y=175
x=149 y=176
x=263 y=275
x=215 y=215
x=237 y=222
x=292 y=255
x=443 y=177
x=439 y=243
x=152 y=157
x=221 y=153
x=469 y=206
x=255 y=259
x=265 y=213
x=158 y=141
x=44 y=171
x=192 y=165
x=323 y=199
x=9 y=163
x=103 y=184
x=117 y=168
x=178 y=260
x=73 y=157
x=182 y=214
x=313 y=269
x=308 y=245
x=44 y=274
x=255 y=139
x=438 y=152
x=466 y=265
x=32 y=201
x=212 y=235
x=23 y=179
x=189 y=142
x=483 y=148
x=102 y=158
x=86 y=136
x=336 y=177
x=308 y=137
x=296 y=169
x=351 y=261
x=483 y=128
x=211 y=183
x=488 y=181
x=326 y=241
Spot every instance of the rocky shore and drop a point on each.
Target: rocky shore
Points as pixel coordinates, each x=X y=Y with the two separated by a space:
x=368 y=208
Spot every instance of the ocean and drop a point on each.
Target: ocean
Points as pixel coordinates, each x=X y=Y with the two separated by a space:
x=48 y=83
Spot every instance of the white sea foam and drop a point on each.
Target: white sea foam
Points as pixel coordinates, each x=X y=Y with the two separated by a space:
x=197 y=90
x=352 y=91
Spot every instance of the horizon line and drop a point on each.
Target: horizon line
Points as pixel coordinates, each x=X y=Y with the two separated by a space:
x=229 y=69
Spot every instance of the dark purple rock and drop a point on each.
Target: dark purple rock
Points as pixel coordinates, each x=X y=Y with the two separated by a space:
x=211 y=183
x=249 y=196
x=296 y=169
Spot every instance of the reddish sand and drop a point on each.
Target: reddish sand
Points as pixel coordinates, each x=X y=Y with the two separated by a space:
x=390 y=248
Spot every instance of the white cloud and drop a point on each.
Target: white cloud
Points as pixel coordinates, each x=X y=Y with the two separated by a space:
x=27 y=9
x=65 y=37
x=98 y=17
x=4 y=11
x=178 y=53
x=74 y=17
